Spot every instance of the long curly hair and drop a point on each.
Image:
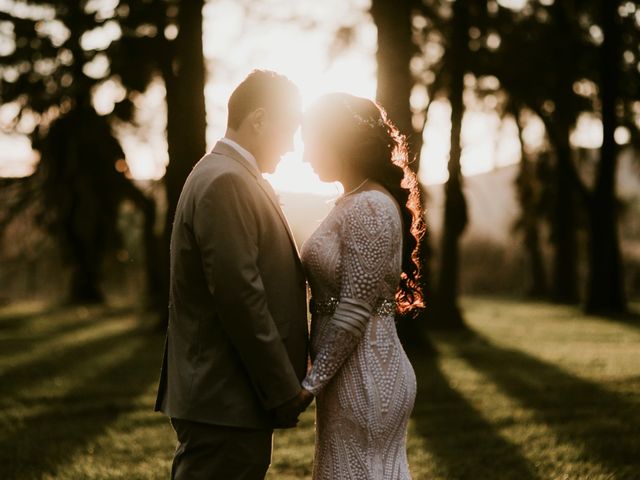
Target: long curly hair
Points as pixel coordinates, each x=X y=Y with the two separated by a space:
x=363 y=135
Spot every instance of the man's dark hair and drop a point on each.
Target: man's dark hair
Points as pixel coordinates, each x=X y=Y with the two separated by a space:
x=261 y=89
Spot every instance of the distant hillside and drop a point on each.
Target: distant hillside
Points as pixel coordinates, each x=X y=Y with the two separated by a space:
x=491 y=199
x=493 y=204
x=493 y=259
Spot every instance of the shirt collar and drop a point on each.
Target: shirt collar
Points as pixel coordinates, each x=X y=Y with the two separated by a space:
x=246 y=154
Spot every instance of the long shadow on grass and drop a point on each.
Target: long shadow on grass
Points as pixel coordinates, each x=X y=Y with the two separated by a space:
x=58 y=363
x=17 y=335
x=20 y=322
x=606 y=425
x=17 y=320
x=466 y=445
x=45 y=442
x=629 y=319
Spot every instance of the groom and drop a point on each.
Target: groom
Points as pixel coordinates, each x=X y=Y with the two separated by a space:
x=236 y=347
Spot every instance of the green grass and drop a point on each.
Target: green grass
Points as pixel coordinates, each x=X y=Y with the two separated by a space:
x=533 y=391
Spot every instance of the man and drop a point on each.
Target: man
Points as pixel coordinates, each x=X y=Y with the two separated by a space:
x=236 y=346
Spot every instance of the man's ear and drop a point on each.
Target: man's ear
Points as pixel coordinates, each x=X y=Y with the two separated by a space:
x=257 y=118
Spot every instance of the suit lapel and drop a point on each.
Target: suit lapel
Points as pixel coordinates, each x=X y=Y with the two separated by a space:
x=268 y=189
x=222 y=148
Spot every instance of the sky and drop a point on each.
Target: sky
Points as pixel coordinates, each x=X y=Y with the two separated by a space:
x=300 y=42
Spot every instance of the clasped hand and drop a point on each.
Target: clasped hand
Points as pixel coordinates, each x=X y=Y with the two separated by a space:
x=286 y=415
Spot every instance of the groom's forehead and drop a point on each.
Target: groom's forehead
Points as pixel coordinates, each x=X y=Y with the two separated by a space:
x=291 y=113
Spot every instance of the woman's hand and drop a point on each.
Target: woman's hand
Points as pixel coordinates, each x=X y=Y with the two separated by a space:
x=286 y=415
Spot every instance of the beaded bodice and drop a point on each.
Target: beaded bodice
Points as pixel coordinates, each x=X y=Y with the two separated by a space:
x=356 y=251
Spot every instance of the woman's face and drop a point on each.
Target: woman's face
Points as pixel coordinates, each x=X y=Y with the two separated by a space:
x=321 y=154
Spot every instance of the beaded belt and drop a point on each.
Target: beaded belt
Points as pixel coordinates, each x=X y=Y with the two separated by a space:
x=383 y=307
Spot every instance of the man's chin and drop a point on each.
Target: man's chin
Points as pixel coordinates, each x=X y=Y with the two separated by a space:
x=272 y=166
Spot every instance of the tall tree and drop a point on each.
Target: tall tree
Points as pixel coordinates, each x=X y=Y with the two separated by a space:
x=184 y=75
x=560 y=116
x=404 y=29
x=49 y=76
x=395 y=82
x=448 y=312
x=170 y=47
x=395 y=51
x=605 y=288
x=530 y=199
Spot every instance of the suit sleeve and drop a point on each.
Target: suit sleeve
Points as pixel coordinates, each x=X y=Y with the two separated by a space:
x=226 y=231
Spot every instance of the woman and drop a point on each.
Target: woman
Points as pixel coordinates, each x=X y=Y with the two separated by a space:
x=362 y=269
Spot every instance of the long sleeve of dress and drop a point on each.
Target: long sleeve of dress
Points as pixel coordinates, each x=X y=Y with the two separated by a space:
x=366 y=242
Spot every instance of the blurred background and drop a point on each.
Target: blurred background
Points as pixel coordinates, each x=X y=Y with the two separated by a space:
x=523 y=118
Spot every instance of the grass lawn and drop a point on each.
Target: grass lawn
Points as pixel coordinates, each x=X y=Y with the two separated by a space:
x=533 y=391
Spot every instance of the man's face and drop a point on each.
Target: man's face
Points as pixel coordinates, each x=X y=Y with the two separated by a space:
x=276 y=136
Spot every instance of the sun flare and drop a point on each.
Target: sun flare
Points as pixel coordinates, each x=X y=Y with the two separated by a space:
x=313 y=53
x=299 y=53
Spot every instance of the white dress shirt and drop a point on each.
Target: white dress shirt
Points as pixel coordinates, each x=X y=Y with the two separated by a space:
x=246 y=154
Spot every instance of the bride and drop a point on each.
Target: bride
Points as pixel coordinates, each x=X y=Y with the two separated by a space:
x=362 y=269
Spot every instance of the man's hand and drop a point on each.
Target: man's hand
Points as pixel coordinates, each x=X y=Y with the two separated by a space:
x=306 y=397
x=286 y=415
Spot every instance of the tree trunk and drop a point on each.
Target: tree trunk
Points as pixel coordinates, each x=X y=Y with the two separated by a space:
x=184 y=76
x=538 y=287
x=605 y=291
x=394 y=84
x=84 y=237
x=151 y=243
x=564 y=287
x=84 y=282
x=530 y=216
x=395 y=50
x=447 y=312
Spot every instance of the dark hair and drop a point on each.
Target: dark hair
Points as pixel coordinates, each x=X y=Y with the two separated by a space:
x=261 y=88
x=363 y=134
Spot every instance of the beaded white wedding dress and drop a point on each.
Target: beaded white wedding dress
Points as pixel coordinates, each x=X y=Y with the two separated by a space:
x=364 y=384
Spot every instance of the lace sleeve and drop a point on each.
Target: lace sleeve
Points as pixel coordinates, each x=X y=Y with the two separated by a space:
x=366 y=244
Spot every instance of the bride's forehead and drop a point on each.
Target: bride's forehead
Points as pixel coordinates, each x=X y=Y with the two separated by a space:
x=326 y=116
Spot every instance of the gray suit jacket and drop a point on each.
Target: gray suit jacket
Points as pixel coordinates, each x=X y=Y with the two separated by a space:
x=237 y=338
